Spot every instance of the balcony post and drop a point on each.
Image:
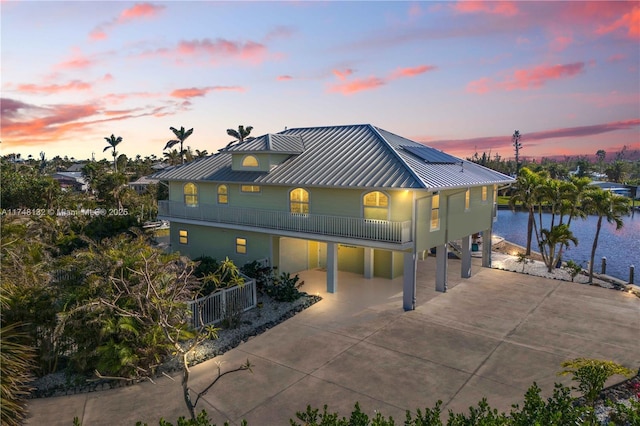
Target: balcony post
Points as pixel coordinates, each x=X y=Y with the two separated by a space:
x=442 y=255
x=332 y=267
x=465 y=272
x=409 y=281
x=368 y=262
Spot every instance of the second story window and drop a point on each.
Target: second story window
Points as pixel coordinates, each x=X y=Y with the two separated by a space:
x=223 y=194
x=376 y=206
x=249 y=161
x=299 y=201
x=190 y=194
x=250 y=188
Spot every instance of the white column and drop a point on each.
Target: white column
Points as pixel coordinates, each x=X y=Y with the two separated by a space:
x=409 y=281
x=465 y=272
x=486 y=246
x=368 y=262
x=441 y=267
x=332 y=267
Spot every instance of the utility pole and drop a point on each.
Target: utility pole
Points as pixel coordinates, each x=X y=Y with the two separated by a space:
x=517 y=145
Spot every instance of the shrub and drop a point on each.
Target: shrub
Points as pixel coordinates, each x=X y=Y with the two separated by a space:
x=284 y=288
x=573 y=268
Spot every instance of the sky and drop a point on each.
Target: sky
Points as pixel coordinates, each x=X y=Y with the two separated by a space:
x=460 y=76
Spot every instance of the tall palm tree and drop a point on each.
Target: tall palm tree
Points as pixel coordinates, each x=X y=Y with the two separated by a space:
x=113 y=142
x=605 y=205
x=201 y=154
x=524 y=192
x=240 y=134
x=181 y=135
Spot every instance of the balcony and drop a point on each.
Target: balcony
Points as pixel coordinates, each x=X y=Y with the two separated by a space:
x=347 y=227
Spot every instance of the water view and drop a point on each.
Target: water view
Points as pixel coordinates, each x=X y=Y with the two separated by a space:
x=621 y=247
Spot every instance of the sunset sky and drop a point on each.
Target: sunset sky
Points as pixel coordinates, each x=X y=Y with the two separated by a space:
x=458 y=76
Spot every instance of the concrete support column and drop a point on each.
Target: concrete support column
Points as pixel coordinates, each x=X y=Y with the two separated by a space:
x=465 y=271
x=441 y=267
x=486 y=246
x=368 y=262
x=332 y=267
x=409 y=281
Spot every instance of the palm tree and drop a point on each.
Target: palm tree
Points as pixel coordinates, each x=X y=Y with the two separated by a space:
x=517 y=145
x=201 y=154
x=113 y=142
x=173 y=157
x=524 y=191
x=181 y=135
x=605 y=205
x=550 y=239
x=240 y=134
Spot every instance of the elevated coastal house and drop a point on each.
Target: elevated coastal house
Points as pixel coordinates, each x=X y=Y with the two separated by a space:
x=353 y=198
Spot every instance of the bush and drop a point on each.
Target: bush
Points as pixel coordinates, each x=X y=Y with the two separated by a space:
x=284 y=288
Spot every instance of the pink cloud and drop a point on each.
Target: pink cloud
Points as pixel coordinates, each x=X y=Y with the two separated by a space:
x=503 y=8
x=525 y=79
x=202 y=91
x=561 y=42
x=77 y=62
x=342 y=74
x=355 y=86
x=629 y=23
x=137 y=11
x=74 y=85
x=220 y=49
x=411 y=72
x=480 y=86
x=616 y=57
x=284 y=78
x=140 y=10
x=504 y=142
x=415 y=10
x=538 y=76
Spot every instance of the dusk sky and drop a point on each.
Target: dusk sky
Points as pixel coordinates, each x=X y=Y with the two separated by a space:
x=457 y=76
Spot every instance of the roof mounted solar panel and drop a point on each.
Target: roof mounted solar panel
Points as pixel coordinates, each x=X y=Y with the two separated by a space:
x=431 y=155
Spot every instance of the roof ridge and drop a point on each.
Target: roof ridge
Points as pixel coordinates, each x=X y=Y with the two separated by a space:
x=395 y=153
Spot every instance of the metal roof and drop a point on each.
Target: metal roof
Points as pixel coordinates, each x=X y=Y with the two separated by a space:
x=279 y=143
x=353 y=156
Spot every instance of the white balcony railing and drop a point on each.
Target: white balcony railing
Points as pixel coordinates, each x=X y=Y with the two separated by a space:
x=348 y=227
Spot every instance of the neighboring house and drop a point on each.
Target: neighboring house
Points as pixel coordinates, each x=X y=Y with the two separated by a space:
x=76 y=167
x=71 y=180
x=141 y=184
x=352 y=198
x=629 y=191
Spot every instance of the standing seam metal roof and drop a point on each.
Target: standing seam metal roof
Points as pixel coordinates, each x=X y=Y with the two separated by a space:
x=355 y=156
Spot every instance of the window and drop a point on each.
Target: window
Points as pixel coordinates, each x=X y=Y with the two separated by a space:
x=249 y=161
x=376 y=206
x=484 y=194
x=467 y=199
x=241 y=245
x=223 y=194
x=299 y=201
x=183 y=236
x=190 y=194
x=435 y=212
x=250 y=188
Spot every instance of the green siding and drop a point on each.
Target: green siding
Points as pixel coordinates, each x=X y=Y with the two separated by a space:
x=219 y=243
x=351 y=259
x=382 y=263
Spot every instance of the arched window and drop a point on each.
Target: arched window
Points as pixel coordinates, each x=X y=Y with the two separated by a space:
x=190 y=194
x=376 y=205
x=299 y=201
x=223 y=194
x=249 y=161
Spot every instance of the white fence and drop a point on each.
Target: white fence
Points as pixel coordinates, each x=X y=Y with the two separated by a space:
x=223 y=303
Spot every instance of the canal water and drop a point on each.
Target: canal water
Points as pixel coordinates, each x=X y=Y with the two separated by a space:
x=620 y=247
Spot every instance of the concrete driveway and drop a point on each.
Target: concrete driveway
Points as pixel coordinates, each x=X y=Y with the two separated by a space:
x=491 y=335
